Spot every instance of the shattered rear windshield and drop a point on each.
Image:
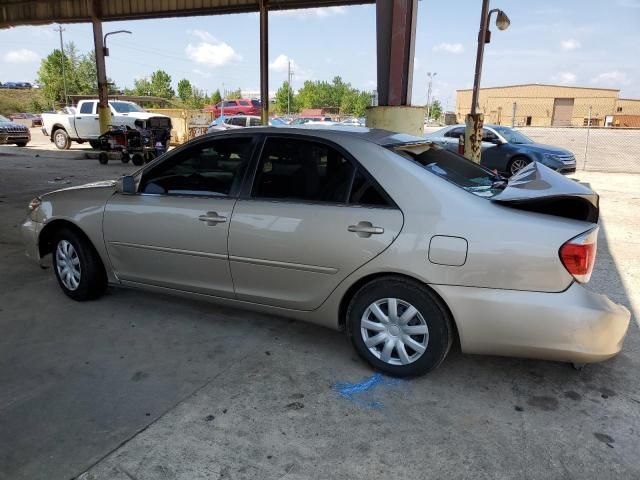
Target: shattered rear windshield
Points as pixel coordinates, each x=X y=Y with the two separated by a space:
x=452 y=167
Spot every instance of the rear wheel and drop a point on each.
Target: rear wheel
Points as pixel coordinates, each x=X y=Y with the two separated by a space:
x=124 y=158
x=77 y=266
x=61 y=139
x=517 y=164
x=137 y=159
x=399 y=326
x=103 y=158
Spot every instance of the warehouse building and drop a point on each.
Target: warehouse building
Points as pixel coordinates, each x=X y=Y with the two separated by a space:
x=543 y=105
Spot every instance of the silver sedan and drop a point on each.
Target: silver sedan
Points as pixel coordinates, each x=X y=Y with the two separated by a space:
x=403 y=245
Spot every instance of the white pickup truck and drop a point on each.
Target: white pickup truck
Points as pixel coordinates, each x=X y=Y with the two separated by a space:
x=84 y=126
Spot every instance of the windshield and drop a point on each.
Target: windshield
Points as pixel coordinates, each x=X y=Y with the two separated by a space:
x=277 y=121
x=4 y=119
x=454 y=168
x=126 y=107
x=512 y=136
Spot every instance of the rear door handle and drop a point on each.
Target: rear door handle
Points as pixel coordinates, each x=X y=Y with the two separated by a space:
x=365 y=229
x=212 y=218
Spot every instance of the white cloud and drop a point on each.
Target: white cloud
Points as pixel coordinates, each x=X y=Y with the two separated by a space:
x=210 y=51
x=611 y=78
x=21 y=56
x=281 y=63
x=570 y=44
x=564 y=77
x=310 y=12
x=454 y=48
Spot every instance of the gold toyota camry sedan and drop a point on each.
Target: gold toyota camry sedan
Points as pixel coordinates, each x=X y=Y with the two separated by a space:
x=405 y=246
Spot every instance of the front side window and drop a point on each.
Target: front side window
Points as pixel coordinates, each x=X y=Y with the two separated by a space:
x=238 y=121
x=302 y=170
x=488 y=136
x=244 y=103
x=256 y=103
x=87 y=107
x=126 y=107
x=455 y=132
x=214 y=168
x=513 y=136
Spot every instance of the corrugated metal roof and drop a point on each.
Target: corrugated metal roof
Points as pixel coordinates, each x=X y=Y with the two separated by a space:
x=14 y=13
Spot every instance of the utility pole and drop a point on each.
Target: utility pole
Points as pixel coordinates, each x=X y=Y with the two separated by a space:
x=64 y=76
x=289 y=74
x=430 y=75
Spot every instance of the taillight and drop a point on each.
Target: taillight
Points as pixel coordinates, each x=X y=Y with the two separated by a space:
x=579 y=254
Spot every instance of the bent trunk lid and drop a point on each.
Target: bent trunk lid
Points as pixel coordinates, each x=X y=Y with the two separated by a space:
x=537 y=188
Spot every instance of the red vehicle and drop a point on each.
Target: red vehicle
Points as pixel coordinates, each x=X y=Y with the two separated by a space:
x=241 y=106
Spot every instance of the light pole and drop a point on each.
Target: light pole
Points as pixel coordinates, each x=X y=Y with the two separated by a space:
x=104 y=48
x=474 y=120
x=430 y=75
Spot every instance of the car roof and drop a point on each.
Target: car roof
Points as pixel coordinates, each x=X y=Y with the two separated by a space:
x=332 y=132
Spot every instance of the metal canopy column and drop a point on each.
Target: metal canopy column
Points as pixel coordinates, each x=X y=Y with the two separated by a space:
x=395 y=36
x=104 y=113
x=264 y=61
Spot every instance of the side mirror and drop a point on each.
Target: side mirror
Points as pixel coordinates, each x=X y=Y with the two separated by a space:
x=126 y=184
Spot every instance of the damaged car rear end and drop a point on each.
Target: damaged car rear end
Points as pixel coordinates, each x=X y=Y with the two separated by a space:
x=531 y=245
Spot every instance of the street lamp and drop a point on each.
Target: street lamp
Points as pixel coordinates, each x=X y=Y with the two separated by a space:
x=430 y=75
x=473 y=131
x=104 y=48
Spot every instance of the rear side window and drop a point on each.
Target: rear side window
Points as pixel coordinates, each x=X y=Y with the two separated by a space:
x=365 y=192
x=455 y=132
x=302 y=170
x=87 y=107
x=244 y=103
x=453 y=168
x=230 y=103
x=254 y=122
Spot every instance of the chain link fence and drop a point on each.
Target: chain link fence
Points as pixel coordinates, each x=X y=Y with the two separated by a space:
x=601 y=136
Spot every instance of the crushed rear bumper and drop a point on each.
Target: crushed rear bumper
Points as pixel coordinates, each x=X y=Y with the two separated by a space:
x=576 y=325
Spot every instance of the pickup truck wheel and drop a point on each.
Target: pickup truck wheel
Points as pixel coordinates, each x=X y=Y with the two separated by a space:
x=21 y=144
x=137 y=159
x=95 y=144
x=125 y=157
x=61 y=139
x=103 y=158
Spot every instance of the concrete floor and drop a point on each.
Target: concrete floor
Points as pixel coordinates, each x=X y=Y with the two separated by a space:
x=141 y=386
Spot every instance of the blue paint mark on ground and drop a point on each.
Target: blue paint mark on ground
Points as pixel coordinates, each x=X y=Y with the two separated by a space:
x=360 y=392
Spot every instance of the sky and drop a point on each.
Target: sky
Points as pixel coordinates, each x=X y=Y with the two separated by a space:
x=589 y=43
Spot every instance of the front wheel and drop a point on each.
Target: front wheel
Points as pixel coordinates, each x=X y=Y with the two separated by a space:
x=77 y=266
x=21 y=144
x=61 y=139
x=399 y=327
x=517 y=164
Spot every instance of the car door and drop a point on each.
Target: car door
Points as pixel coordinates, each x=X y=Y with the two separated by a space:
x=173 y=232
x=86 y=120
x=310 y=218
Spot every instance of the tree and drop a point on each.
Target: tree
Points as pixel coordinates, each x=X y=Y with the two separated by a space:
x=285 y=99
x=216 y=97
x=436 y=109
x=161 y=84
x=185 y=90
x=233 y=94
x=142 y=86
x=197 y=99
x=50 y=76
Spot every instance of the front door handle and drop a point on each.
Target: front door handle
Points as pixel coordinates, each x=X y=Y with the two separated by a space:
x=365 y=229
x=212 y=218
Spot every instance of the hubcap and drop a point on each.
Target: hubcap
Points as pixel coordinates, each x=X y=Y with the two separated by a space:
x=394 y=331
x=60 y=140
x=518 y=165
x=68 y=265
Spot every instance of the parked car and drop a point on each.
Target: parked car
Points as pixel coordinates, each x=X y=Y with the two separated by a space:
x=240 y=121
x=242 y=106
x=17 y=85
x=29 y=119
x=12 y=132
x=303 y=120
x=82 y=125
x=404 y=245
x=353 y=122
x=507 y=150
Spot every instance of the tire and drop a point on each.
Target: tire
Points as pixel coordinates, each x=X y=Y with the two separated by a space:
x=61 y=139
x=21 y=144
x=137 y=159
x=95 y=144
x=124 y=158
x=429 y=312
x=516 y=164
x=87 y=280
x=103 y=158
